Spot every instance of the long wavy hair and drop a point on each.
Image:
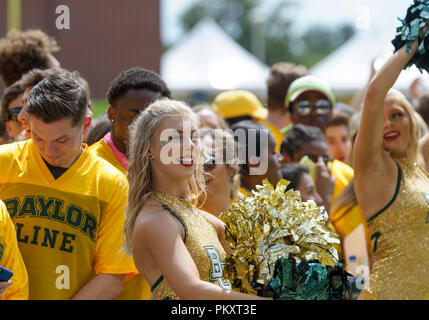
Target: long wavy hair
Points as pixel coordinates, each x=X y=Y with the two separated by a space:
x=139 y=173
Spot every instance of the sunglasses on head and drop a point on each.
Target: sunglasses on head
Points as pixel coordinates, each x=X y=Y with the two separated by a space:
x=12 y=114
x=209 y=166
x=322 y=106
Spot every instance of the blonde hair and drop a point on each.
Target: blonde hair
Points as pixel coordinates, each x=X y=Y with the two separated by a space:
x=139 y=173
x=396 y=96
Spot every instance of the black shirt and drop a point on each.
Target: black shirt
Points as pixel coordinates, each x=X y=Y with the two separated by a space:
x=55 y=171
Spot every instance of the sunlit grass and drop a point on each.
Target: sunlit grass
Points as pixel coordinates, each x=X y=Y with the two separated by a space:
x=99 y=106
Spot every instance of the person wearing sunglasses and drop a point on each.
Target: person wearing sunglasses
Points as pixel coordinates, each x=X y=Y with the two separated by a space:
x=310 y=102
x=222 y=179
x=11 y=107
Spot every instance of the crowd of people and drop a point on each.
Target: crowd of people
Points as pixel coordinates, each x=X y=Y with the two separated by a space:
x=90 y=209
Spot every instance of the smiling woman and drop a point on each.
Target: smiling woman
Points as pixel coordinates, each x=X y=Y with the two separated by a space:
x=176 y=247
x=395 y=205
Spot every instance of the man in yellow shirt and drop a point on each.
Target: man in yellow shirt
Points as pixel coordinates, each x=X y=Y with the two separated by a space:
x=67 y=204
x=129 y=93
x=310 y=101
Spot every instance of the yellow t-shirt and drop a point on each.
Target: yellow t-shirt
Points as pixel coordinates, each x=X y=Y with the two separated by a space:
x=69 y=229
x=10 y=258
x=102 y=149
x=346 y=220
x=343 y=173
x=136 y=288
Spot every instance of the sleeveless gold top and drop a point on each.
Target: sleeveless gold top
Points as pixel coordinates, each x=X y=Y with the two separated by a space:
x=400 y=235
x=200 y=239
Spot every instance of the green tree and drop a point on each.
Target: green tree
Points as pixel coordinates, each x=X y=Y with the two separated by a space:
x=235 y=17
x=319 y=41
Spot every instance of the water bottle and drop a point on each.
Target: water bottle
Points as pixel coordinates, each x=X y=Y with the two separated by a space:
x=352 y=265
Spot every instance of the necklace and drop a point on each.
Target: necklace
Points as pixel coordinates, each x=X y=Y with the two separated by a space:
x=171 y=200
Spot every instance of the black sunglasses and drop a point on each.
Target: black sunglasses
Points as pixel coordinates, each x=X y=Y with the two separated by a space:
x=210 y=164
x=322 y=106
x=12 y=113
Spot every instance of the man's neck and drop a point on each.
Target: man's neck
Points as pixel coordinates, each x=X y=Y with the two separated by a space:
x=278 y=118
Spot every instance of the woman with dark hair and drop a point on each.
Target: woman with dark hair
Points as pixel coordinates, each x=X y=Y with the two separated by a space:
x=300 y=180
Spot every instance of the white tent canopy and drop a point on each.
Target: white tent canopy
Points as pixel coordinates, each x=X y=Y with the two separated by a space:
x=348 y=68
x=208 y=59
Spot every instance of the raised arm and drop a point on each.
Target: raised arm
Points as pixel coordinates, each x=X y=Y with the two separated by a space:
x=369 y=142
x=375 y=170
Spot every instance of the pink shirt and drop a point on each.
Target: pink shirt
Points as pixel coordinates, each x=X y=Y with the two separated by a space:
x=119 y=155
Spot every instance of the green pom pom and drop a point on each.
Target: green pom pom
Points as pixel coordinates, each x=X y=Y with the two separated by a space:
x=416 y=19
x=307 y=281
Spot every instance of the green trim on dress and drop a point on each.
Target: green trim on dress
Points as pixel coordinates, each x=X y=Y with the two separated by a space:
x=398 y=185
x=174 y=214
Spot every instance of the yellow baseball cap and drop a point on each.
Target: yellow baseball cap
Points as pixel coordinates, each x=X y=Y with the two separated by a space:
x=239 y=103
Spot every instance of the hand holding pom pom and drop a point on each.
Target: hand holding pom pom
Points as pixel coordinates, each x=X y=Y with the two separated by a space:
x=414 y=26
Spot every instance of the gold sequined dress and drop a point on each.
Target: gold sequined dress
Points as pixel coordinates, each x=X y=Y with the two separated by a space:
x=200 y=239
x=400 y=236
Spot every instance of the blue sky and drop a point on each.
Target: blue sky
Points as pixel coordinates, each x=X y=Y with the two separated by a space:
x=363 y=14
